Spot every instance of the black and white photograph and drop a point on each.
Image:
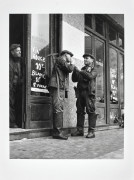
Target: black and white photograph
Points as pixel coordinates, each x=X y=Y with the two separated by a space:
x=66 y=82
x=67 y=90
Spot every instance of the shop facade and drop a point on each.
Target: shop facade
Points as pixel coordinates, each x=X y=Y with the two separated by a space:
x=44 y=36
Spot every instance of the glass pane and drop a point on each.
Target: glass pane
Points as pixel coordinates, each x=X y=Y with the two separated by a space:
x=113 y=76
x=112 y=36
x=99 y=46
x=88 y=20
x=114 y=114
x=99 y=25
x=88 y=43
x=121 y=41
x=121 y=62
x=39 y=51
x=101 y=117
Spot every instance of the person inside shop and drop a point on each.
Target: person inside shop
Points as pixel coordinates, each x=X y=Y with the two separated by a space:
x=15 y=82
x=85 y=94
x=58 y=88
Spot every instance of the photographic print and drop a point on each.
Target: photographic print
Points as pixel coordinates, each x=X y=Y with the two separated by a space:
x=66 y=79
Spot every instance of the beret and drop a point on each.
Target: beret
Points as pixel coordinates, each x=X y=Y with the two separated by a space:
x=87 y=54
x=14 y=46
x=66 y=51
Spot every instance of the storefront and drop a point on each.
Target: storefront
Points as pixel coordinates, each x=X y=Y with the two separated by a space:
x=42 y=35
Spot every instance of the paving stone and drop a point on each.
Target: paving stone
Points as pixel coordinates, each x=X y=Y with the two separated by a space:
x=107 y=144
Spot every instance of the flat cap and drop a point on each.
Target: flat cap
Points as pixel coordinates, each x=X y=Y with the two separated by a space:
x=14 y=46
x=66 y=51
x=88 y=55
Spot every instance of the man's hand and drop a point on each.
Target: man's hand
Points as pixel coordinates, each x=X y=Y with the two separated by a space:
x=89 y=69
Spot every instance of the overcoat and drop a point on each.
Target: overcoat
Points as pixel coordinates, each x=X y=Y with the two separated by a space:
x=60 y=74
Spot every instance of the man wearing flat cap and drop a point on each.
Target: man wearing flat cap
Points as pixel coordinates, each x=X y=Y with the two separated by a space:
x=85 y=93
x=15 y=79
x=58 y=87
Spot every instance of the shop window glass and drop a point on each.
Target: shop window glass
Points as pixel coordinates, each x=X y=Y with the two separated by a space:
x=99 y=25
x=112 y=36
x=88 y=43
x=114 y=114
x=39 y=52
x=121 y=76
x=113 y=77
x=99 y=46
x=121 y=41
x=88 y=20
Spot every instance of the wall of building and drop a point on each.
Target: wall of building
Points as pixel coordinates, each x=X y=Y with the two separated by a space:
x=72 y=40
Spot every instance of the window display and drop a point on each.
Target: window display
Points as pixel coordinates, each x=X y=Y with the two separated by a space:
x=113 y=76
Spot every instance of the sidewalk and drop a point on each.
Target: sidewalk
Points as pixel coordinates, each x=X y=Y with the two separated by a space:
x=108 y=144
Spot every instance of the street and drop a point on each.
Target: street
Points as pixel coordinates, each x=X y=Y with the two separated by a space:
x=107 y=145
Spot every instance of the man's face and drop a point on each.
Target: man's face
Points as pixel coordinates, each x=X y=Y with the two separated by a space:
x=68 y=57
x=88 y=60
x=16 y=52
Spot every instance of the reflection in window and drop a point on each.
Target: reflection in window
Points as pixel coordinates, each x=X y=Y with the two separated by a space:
x=121 y=41
x=114 y=114
x=112 y=36
x=99 y=46
x=99 y=25
x=88 y=43
x=88 y=20
x=113 y=76
x=121 y=62
x=39 y=51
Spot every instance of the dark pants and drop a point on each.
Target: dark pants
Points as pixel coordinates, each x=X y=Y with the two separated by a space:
x=58 y=106
x=87 y=101
x=15 y=100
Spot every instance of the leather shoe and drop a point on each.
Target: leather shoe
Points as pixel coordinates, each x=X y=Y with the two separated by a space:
x=60 y=136
x=90 y=135
x=77 y=133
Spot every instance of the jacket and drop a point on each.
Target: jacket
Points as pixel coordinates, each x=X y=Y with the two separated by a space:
x=15 y=71
x=85 y=79
x=60 y=74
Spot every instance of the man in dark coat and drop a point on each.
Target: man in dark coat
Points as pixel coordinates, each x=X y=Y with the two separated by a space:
x=85 y=93
x=58 y=87
x=15 y=79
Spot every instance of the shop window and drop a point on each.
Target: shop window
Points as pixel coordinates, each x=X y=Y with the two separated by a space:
x=99 y=26
x=39 y=52
x=88 y=43
x=121 y=76
x=114 y=114
x=112 y=36
x=99 y=46
x=113 y=76
x=101 y=116
x=121 y=41
x=88 y=20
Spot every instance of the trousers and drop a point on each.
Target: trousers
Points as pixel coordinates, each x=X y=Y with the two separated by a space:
x=86 y=104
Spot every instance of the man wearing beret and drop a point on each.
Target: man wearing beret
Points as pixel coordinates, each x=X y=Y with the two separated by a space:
x=85 y=93
x=15 y=78
x=58 y=87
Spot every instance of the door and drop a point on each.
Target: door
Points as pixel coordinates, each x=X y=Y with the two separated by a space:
x=96 y=46
x=16 y=36
x=38 y=101
x=100 y=81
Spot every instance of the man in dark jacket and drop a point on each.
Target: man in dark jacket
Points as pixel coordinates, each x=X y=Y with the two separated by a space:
x=15 y=79
x=58 y=87
x=85 y=93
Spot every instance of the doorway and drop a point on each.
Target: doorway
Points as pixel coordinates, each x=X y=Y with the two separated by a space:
x=16 y=36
